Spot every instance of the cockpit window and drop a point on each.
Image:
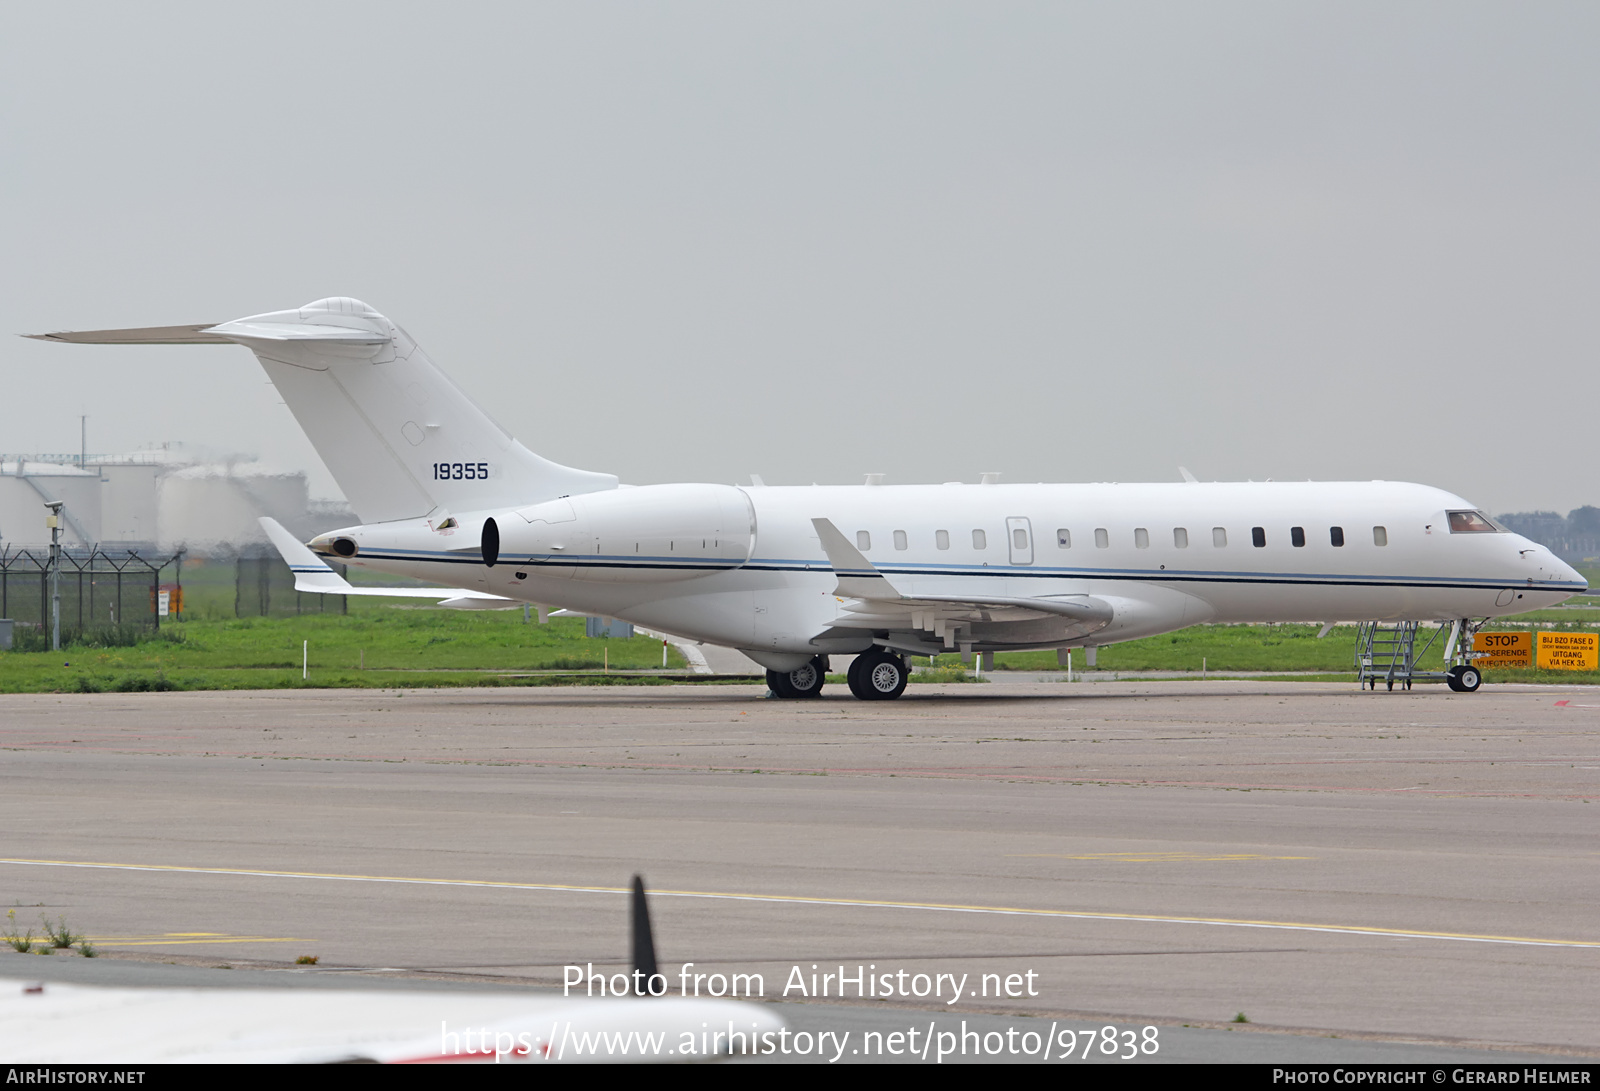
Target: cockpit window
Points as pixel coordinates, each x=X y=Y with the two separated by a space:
x=1471 y=522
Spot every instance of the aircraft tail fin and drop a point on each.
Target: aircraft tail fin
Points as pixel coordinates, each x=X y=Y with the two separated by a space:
x=400 y=438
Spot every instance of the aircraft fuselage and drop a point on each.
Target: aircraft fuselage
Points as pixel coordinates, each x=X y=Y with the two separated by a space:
x=744 y=567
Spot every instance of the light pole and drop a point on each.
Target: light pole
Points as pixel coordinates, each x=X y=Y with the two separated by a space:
x=53 y=521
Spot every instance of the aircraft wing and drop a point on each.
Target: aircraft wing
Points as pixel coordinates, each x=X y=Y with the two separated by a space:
x=54 y=1023
x=873 y=602
x=312 y=574
x=51 y=1023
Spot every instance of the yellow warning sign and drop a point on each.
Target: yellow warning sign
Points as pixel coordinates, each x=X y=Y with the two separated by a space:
x=1569 y=651
x=1503 y=650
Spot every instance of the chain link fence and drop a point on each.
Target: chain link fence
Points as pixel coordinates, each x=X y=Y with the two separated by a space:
x=264 y=587
x=100 y=591
x=121 y=597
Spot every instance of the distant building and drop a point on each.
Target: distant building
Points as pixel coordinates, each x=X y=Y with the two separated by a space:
x=155 y=501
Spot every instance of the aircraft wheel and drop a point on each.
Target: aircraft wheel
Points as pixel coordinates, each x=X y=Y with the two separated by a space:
x=853 y=678
x=778 y=683
x=878 y=676
x=1464 y=678
x=805 y=682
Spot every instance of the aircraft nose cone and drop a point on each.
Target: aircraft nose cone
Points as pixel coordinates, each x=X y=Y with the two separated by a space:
x=1563 y=571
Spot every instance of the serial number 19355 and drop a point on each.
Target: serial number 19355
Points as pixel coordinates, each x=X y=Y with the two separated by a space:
x=460 y=471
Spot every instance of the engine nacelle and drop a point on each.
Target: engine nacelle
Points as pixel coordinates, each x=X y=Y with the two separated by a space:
x=648 y=534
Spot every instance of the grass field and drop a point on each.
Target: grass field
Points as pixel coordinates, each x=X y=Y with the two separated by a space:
x=383 y=645
x=374 y=645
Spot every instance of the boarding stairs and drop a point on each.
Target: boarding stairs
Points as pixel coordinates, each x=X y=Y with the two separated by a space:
x=1389 y=653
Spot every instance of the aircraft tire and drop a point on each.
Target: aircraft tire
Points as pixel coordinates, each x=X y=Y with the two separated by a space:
x=778 y=683
x=852 y=676
x=878 y=676
x=805 y=682
x=808 y=680
x=1464 y=678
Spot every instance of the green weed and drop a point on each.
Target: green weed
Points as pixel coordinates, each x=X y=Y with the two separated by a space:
x=60 y=934
x=22 y=943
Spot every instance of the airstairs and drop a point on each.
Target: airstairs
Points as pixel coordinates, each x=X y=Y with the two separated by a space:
x=1389 y=653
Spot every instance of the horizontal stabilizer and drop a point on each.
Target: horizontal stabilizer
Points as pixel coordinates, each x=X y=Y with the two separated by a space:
x=150 y=335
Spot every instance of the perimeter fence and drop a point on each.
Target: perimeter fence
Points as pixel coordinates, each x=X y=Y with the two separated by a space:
x=121 y=597
x=102 y=593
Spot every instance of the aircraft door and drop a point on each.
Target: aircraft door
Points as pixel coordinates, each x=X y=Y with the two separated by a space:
x=1019 y=537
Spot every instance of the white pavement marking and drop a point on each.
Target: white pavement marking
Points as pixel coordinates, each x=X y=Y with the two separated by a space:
x=1010 y=911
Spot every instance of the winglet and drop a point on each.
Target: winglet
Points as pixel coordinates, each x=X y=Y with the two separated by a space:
x=310 y=573
x=857 y=577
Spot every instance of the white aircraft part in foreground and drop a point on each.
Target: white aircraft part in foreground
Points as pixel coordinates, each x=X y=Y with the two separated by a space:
x=85 y=1024
x=792 y=575
x=631 y=1019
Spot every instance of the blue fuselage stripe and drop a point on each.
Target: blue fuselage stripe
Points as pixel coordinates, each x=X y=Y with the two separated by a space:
x=1310 y=579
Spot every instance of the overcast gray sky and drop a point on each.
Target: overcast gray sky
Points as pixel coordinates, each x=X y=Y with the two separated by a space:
x=688 y=241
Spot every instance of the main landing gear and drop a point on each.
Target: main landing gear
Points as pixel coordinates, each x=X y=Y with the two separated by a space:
x=805 y=682
x=878 y=675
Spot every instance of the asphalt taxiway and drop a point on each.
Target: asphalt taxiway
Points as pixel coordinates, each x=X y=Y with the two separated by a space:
x=1382 y=867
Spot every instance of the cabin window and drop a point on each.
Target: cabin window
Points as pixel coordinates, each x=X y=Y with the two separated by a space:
x=1258 y=536
x=1219 y=537
x=1471 y=522
x=1297 y=537
x=899 y=539
x=1101 y=538
x=1063 y=538
x=1019 y=539
x=941 y=539
x=1141 y=537
x=980 y=540
x=1180 y=537
x=1380 y=536
x=1336 y=535
x=863 y=540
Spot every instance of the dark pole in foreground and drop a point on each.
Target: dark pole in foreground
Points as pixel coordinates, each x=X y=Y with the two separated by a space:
x=644 y=944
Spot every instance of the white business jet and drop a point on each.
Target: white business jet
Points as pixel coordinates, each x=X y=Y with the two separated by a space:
x=790 y=576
